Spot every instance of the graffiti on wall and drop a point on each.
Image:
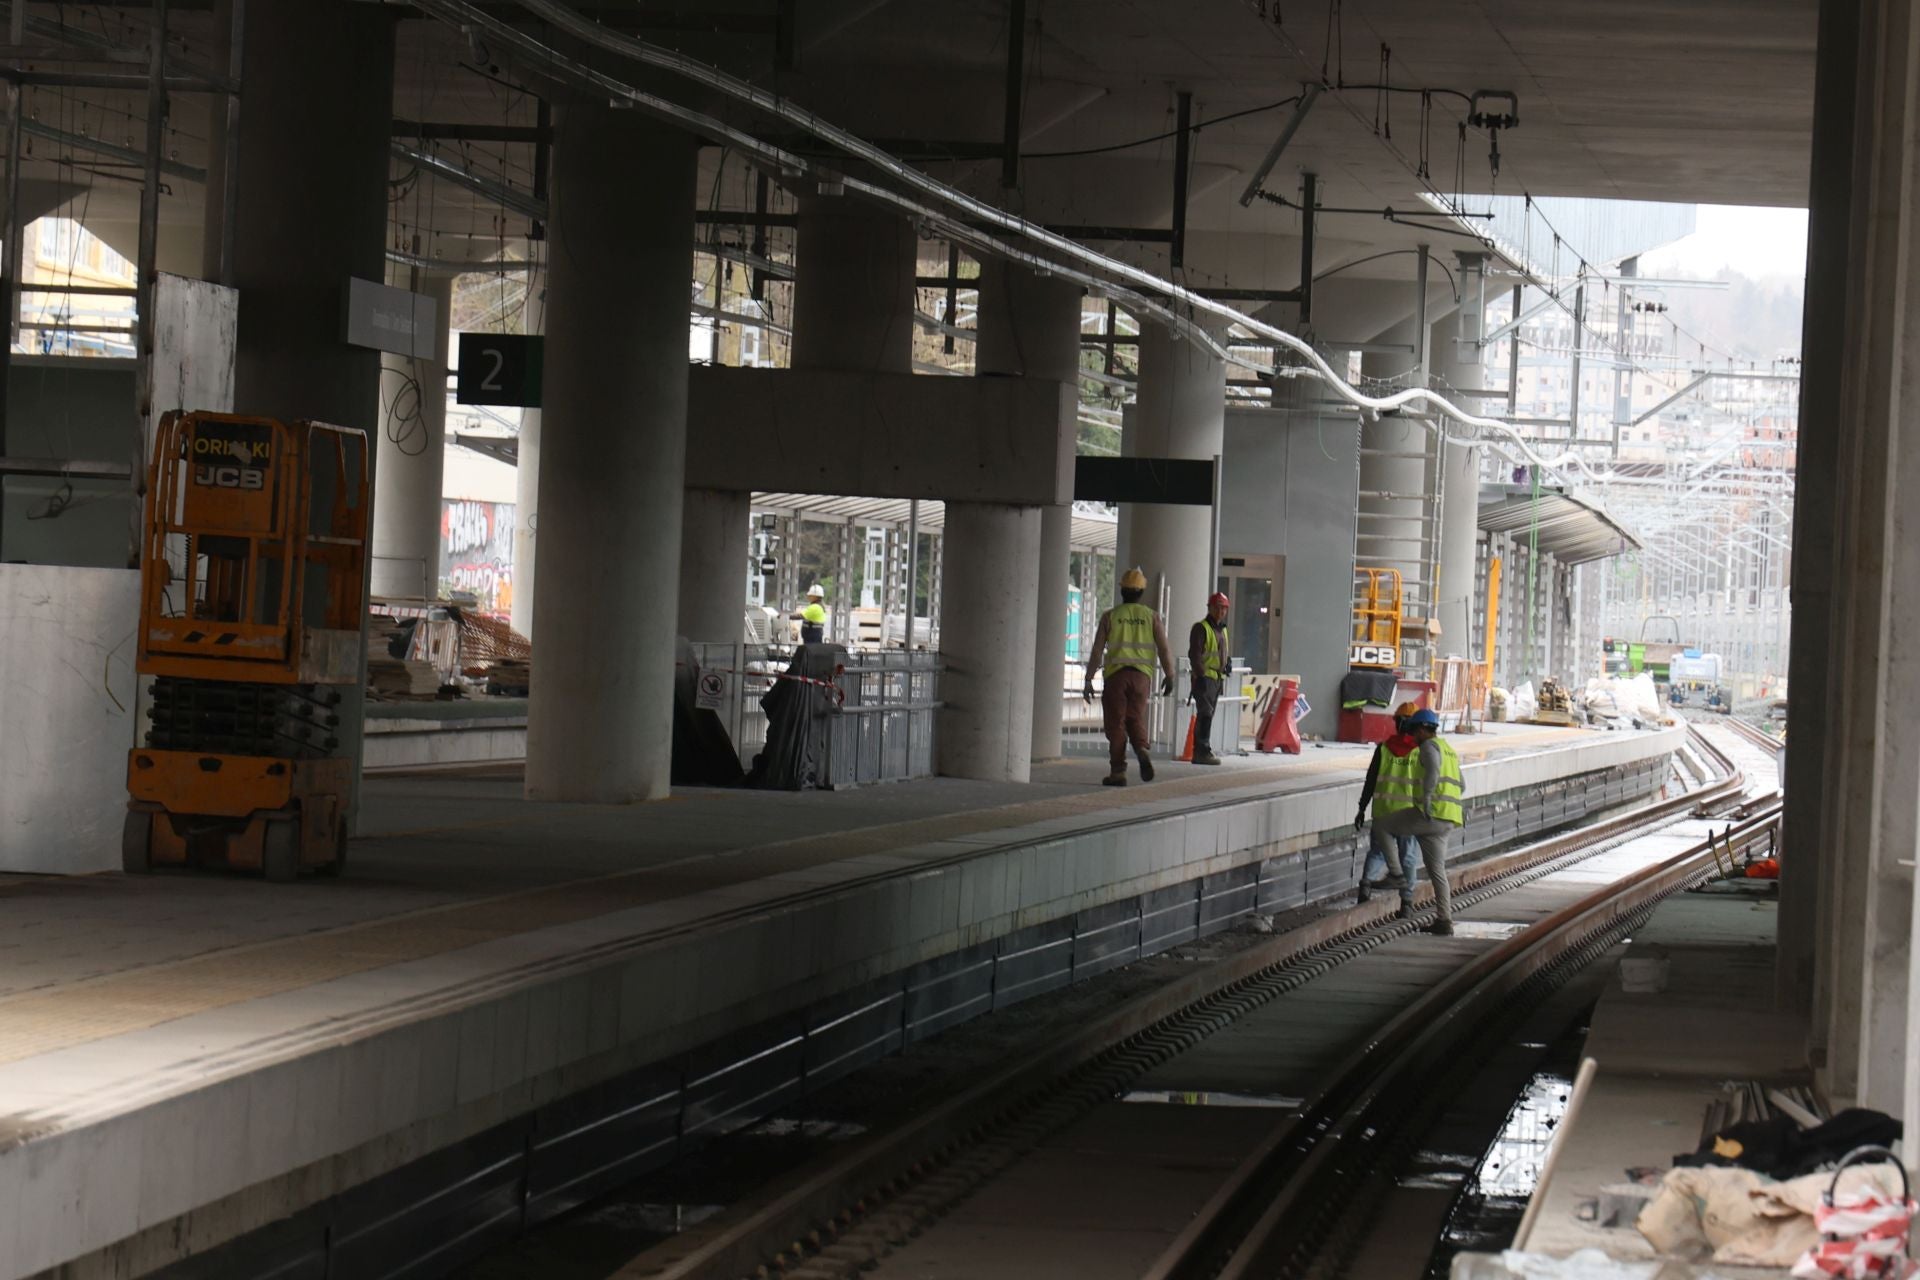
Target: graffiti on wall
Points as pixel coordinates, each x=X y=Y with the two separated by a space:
x=476 y=552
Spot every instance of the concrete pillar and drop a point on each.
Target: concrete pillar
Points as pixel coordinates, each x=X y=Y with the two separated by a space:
x=853 y=290
x=526 y=480
x=312 y=213
x=714 y=538
x=1816 y=493
x=612 y=458
x=1870 y=825
x=526 y=522
x=1391 y=463
x=1030 y=326
x=1179 y=411
x=413 y=453
x=1456 y=363
x=988 y=594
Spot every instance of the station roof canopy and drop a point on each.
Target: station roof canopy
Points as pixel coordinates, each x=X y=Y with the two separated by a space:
x=1571 y=530
x=1092 y=531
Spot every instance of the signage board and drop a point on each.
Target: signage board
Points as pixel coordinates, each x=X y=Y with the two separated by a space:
x=500 y=368
x=1373 y=655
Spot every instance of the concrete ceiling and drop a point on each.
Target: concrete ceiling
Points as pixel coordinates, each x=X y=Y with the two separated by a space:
x=1676 y=100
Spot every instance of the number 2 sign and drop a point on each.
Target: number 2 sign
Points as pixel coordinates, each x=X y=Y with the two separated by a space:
x=499 y=368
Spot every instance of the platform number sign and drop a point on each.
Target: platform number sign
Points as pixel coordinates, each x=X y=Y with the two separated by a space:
x=499 y=368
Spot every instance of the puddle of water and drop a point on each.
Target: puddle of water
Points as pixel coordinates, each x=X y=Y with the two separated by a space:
x=827 y=1130
x=1494 y=929
x=1192 y=1098
x=654 y=1219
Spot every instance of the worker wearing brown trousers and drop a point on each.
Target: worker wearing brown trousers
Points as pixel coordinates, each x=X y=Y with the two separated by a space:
x=1129 y=638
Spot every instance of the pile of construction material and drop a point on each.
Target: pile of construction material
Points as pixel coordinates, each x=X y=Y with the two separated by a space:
x=396 y=678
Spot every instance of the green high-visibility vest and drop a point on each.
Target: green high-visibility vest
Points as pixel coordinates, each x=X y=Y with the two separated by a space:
x=1210 y=663
x=1130 y=639
x=1402 y=781
x=814 y=614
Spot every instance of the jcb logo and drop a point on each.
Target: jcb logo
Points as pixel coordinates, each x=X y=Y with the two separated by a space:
x=230 y=477
x=1373 y=655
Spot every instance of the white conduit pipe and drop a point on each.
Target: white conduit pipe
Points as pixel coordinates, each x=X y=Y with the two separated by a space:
x=465 y=16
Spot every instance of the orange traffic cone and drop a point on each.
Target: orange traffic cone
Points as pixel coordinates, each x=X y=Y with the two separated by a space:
x=1186 y=752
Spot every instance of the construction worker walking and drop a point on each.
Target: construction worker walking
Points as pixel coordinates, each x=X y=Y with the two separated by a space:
x=1129 y=638
x=1207 y=656
x=1421 y=794
x=1380 y=872
x=813 y=618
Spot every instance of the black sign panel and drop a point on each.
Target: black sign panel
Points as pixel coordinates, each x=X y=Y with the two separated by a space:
x=499 y=368
x=1182 y=481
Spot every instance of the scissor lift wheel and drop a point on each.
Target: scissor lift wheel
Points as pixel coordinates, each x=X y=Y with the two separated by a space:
x=136 y=843
x=280 y=850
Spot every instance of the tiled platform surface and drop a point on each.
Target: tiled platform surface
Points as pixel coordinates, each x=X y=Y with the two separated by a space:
x=1661 y=1059
x=185 y=1058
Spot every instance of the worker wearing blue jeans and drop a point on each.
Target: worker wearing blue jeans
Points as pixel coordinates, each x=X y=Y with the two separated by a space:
x=1376 y=874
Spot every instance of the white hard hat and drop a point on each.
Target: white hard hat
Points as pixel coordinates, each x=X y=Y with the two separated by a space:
x=817 y=590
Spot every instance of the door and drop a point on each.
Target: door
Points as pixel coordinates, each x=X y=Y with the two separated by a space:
x=1253 y=589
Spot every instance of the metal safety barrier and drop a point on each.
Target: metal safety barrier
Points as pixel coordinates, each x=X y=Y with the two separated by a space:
x=885 y=727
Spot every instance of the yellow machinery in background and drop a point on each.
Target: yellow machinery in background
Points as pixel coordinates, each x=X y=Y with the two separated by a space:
x=253 y=567
x=1376 y=619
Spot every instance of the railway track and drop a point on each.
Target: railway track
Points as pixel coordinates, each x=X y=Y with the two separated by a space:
x=887 y=1202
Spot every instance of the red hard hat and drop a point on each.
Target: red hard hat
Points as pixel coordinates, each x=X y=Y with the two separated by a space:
x=1217 y=598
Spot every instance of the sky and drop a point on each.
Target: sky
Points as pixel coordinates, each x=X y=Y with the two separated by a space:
x=1753 y=241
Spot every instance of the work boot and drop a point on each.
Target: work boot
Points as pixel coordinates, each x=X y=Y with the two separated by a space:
x=1208 y=758
x=1118 y=778
x=1146 y=766
x=1366 y=893
x=1405 y=912
x=1442 y=928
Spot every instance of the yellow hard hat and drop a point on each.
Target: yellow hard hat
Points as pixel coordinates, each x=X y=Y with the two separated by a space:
x=1133 y=580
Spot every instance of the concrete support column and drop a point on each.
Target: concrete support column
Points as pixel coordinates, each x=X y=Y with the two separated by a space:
x=526 y=522
x=312 y=213
x=1179 y=411
x=413 y=455
x=1393 y=477
x=1805 y=821
x=853 y=289
x=1456 y=363
x=526 y=480
x=1870 y=825
x=714 y=538
x=612 y=458
x=988 y=594
x=1030 y=326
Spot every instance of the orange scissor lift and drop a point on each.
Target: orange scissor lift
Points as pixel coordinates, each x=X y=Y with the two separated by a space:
x=252 y=594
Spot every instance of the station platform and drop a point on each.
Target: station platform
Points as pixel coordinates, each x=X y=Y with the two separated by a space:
x=1699 y=1013
x=506 y=1007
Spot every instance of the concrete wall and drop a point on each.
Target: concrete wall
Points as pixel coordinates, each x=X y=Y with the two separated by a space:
x=879 y=435
x=1290 y=489
x=66 y=408
x=67 y=701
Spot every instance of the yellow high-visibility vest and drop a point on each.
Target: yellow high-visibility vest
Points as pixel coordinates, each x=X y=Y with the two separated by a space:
x=1130 y=639
x=1211 y=664
x=1402 y=781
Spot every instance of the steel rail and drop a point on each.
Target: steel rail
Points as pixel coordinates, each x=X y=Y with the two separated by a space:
x=1253 y=1224
x=813 y=1222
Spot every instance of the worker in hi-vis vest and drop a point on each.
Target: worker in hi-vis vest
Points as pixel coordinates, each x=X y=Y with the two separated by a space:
x=1129 y=638
x=1421 y=794
x=1207 y=655
x=813 y=618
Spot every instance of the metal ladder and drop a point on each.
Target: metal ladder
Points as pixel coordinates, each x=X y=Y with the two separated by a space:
x=1378 y=545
